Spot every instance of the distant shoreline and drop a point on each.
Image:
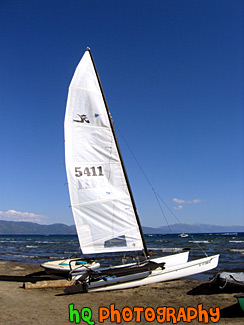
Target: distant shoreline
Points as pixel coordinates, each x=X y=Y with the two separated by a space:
x=32 y=228
x=146 y=234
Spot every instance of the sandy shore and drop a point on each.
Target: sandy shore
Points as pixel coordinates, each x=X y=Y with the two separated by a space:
x=51 y=306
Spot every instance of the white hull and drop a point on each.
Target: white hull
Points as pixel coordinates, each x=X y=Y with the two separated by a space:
x=65 y=266
x=171 y=260
x=158 y=275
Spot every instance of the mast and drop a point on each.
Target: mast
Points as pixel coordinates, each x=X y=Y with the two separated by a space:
x=120 y=156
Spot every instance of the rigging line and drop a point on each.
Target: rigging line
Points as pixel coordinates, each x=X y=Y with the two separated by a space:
x=192 y=237
x=157 y=196
x=134 y=157
x=169 y=209
x=147 y=179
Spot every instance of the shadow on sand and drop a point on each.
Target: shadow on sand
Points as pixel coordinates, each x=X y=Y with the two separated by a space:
x=32 y=277
x=233 y=311
x=210 y=289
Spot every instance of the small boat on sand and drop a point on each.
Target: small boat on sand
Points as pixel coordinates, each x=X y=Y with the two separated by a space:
x=228 y=281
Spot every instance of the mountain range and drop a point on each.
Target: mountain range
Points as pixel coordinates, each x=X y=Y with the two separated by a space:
x=31 y=228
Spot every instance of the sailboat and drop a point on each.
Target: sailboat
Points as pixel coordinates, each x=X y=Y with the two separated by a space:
x=101 y=198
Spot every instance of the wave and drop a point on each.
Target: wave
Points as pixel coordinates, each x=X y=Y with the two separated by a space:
x=12 y=241
x=161 y=241
x=236 y=241
x=170 y=250
x=237 y=251
x=166 y=249
x=49 y=242
x=200 y=241
x=23 y=256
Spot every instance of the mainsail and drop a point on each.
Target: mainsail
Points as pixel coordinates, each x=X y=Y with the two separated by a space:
x=101 y=200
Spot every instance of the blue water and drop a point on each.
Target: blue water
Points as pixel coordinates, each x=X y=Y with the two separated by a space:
x=38 y=249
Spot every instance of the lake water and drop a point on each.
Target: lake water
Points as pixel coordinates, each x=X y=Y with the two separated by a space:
x=38 y=249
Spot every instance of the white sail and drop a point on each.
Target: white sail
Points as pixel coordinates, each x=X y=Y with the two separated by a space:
x=101 y=203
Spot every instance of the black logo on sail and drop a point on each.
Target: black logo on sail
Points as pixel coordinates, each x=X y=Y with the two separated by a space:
x=83 y=119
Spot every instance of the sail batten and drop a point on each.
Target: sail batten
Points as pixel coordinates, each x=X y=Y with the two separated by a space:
x=102 y=206
x=87 y=203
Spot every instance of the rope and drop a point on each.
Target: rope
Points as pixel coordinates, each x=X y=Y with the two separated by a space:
x=157 y=196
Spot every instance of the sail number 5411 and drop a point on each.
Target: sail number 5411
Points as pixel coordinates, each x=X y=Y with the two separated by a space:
x=89 y=171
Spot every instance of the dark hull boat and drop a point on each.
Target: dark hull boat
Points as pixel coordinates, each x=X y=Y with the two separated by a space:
x=228 y=281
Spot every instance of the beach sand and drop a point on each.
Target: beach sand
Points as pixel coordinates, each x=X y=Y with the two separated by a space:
x=51 y=306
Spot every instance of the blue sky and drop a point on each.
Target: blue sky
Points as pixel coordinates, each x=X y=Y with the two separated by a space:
x=172 y=72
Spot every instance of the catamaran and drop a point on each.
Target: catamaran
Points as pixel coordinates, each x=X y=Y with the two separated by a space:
x=101 y=198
